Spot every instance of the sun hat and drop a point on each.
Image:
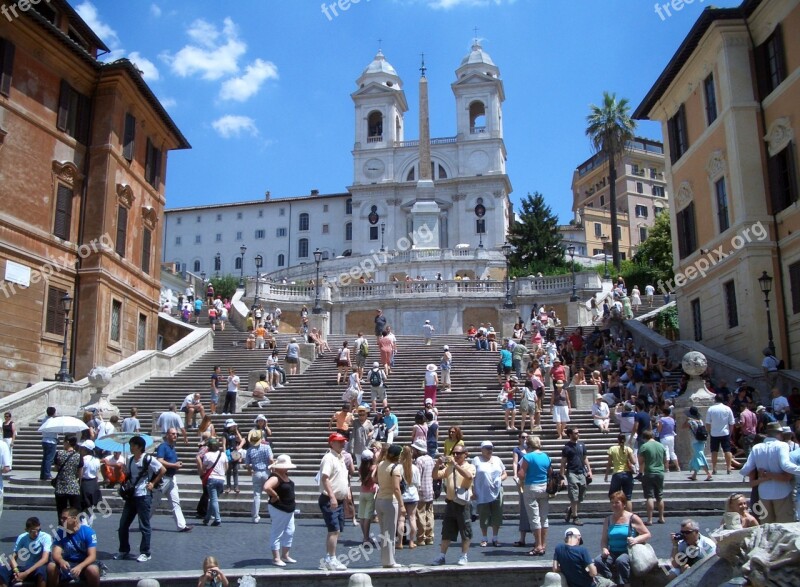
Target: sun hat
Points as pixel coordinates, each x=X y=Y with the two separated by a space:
x=230 y=422
x=556 y=360
x=336 y=437
x=760 y=409
x=774 y=427
x=431 y=367
x=87 y=444
x=786 y=430
x=427 y=321
x=376 y=364
x=419 y=445
x=445 y=348
x=254 y=437
x=258 y=418
x=741 y=380
x=367 y=455
x=487 y=444
x=212 y=442
x=428 y=401
x=362 y=409
x=558 y=382
x=283 y=462
x=573 y=532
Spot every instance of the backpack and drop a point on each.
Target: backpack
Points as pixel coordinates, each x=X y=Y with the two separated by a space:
x=700 y=432
x=375 y=378
x=363 y=350
x=403 y=484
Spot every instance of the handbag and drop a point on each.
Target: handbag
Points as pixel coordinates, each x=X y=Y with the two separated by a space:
x=642 y=556
x=207 y=473
x=462 y=496
x=554 y=481
x=54 y=482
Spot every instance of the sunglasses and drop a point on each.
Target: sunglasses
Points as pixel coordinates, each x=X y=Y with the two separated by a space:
x=459 y=453
x=685 y=532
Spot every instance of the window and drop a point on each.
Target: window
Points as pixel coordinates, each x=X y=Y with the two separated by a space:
x=177 y=240
x=639 y=187
x=261 y=233
x=152 y=165
x=282 y=212
x=62 y=225
x=657 y=210
x=219 y=237
x=711 y=98
x=697 y=321
x=280 y=232
x=602 y=200
x=219 y=217
x=477 y=118
x=196 y=267
x=598 y=229
x=141 y=333
x=411 y=174
x=641 y=211
x=122 y=230
x=147 y=238
x=129 y=137
x=654 y=174
x=678 y=137
x=642 y=234
x=373 y=233
x=375 y=127
x=116 y=320
x=217 y=262
x=238 y=216
x=304 y=221
x=348 y=206
x=621 y=255
x=325 y=229
x=794 y=285
x=54 y=320
x=722 y=205
x=770 y=63
x=325 y=207
x=348 y=231
x=730 y=304
x=237 y=264
x=199 y=219
x=636 y=170
x=73 y=113
x=239 y=236
x=658 y=191
x=281 y=260
x=687 y=236
x=261 y=214
x=198 y=239
x=619 y=233
x=480 y=226
x=782 y=179
x=178 y=220
x=302 y=248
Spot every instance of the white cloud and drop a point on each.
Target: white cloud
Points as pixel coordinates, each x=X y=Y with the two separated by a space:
x=155 y=10
x=243 y=87
x=169 y=103
x=230 y=126
x=88 y=12
x=216 y=55
x=147 y=67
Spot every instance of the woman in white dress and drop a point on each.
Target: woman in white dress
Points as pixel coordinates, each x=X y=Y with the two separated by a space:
x=636 y=298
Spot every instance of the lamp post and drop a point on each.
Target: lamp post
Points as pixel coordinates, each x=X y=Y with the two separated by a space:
x=507 y=250
x=259 y=263
x=63 y=373
x=242 y=249
x=606 y=275
x=383 y=229
x=317 y=258
x=217 y=263
x=765 y=281
x=571 y=252
x=203 y=276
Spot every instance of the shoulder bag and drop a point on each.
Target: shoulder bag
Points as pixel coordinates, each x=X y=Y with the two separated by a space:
x=207 y=473
x=643 y=557
x=461 y=496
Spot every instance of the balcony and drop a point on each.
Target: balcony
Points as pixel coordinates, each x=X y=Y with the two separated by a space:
x=477 y=130
x=375 y=139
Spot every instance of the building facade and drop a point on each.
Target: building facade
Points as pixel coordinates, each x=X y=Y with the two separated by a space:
x=83 y=152
x=461 y=195
x=729 y=103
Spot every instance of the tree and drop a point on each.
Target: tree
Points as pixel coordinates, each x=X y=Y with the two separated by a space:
x=656 y=250
x=609 y=129
x=224 y=286
x=535 y=237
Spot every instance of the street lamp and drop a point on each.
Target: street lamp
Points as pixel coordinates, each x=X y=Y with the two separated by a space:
x=507 y=250
x=203 y=276
x=259 y=263
x=217 y=263
x=765 y=281
x=243 y=248
x=383 y=229
x=606 y=275
x=317 y=258
x=571 y=252
x=63 y=373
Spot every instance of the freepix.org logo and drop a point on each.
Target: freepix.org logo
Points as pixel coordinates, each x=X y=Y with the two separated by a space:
x=12 y=11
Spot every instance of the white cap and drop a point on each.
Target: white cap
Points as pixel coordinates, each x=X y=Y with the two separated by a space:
x=487 y=444
x=367 y=454
x=573 y=532
x=87 y=444
x=230 y=422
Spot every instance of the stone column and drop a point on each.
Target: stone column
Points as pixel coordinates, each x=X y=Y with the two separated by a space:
x=694 y=364
x=322 y=322
x=508 y=317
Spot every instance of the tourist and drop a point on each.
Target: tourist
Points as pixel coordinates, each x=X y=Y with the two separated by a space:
x=455 y=473
x=131 y=424
x=146 y=473
x=690 y=547
x=354 y=393
x=446 y=364
x=230 y=396
x=280 y=489
x=380 y=325
x=90 y=488
x=9 y=431
x=334 y=487
x=206 y=425
x=560 y=406
x=171 y=419
x=666 y=436
x=454 y=438
x=427 y=332
x=533 y=472
x=780 y=406
x=366 y=499
x=260 y=391
x=719 y=420
x=49 y=445
x=215 y=386
x=622 y=465
x=387 y=503
x=277 y=376
x=424 y=510
x=650 y=292
x=519 y=453
x=377 y=383
x=509 y=403
x=261 y=426
x=342 y=364
x=575 y=465
x=212 y=575
x=232 y=443
x=529 y=403
x=74 y=552
x=68 y=480
x=770 y=365
x=257 y=460
x=168 y=457
x=620 y=530
x=573 y=560
x=361 y=349
x=192 y=405
x=341 y=421
x=737 y=504
x=387 y=346
x=293 y=356
x=28 y=563
x=601 y=414
x=362 y=430
x=636 y=298
x=431 y=420
x=407 y=523
x=652 y=458
x=503 y=365
x=748 y=426
x=431 y=383
x=5 y=467
x=212 y=465
x=490 y=472
x=518 y=354
x=113 y=469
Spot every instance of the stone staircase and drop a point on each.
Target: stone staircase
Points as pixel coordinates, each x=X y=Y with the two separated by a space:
x=299 y=414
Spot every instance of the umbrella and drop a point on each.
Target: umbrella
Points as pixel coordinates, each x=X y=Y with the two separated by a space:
x=118 y=442
x=63 y=425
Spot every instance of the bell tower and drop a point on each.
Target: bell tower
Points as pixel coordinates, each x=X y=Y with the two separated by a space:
x=479 y=96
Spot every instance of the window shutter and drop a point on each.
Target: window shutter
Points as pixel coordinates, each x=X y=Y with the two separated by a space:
x=128 y=137
x=6 y=65
x=63 y=106
x=83 y=119
x=122 y=230
x=780 y=55
x=157 y=164
x=148 y=161
x=54 y=318
x=673 y=142
x=63 y=220
x=146 y=243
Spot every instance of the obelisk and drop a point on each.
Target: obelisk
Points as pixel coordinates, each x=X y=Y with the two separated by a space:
x=425 y=211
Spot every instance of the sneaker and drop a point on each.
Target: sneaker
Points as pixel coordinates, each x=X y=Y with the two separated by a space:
x=279 y=386
x=187 y=528
x=288 y=559
x=216 y=523
x=256 y=520
x=463 y=560
x=278 y=562
x=337 y=565
x=123 y=556
x=439 y=560
x=143 y=558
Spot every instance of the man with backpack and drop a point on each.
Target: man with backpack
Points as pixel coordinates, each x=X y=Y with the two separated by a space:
x=377 y=382
x=361 y=347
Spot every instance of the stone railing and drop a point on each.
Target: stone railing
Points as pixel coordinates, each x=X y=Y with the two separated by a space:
x=460 y=289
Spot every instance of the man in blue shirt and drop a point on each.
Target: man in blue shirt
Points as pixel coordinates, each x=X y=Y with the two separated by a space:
x=31 y=554
x=167 y=456
x=574 y=561
x=74 y=552
x=49 y=445
x=391 y=423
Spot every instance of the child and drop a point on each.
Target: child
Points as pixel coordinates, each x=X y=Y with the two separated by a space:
x=366 y=499
x=212 y=576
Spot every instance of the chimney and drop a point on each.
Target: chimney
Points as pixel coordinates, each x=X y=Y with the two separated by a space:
x=314 y=192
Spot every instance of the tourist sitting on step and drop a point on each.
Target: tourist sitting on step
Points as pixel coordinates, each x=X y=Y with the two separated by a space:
x=212 y=575
x=113 y=469
x=260 y=390
x=74 y=553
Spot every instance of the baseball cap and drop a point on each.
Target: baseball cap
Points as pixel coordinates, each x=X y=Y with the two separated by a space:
x=573 y=532
x=741 y=380
x=87 y=444
x=336 y=437
x=487 y=444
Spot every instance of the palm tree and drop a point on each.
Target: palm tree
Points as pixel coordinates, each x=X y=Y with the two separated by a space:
x=609 y=129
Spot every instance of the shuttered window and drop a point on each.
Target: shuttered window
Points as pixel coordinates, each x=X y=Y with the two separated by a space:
x=141 y=333
x=678 y=135
x=129 y=137
x=152 y=165
x=63 y=219
x=122 y=230
x=73 y=113
x=794 y=286
x=146 y=244
x=687 y=232
x=54 y=318
x=116 y=320
x=6 y=65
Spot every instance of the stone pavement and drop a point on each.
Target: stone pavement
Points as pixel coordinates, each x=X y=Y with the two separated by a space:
x=239 y=544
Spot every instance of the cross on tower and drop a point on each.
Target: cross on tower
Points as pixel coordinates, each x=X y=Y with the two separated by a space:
x=380 y=44
x=422 y=68
x=476 y=34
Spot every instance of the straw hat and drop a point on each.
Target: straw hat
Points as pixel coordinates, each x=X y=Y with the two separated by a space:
x=420 y=445
x=254 y=438
x=283 y=462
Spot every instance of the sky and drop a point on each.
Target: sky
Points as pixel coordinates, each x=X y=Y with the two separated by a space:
x=261 y=88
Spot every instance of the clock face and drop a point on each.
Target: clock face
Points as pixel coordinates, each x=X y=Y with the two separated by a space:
x=374 y=168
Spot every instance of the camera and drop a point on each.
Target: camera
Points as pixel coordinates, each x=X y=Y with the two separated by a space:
x=677 y=536
x=214 y=574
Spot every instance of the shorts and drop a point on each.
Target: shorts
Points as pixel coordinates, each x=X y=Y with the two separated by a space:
x=457 y=519
x=723 y=441
x=360 y=360
x=40 y=573
x=510 y=405
x=292 y=360
x=576 y=486
x=338 y=363
x=334 y=518
x=491 y=514
x=506 y=369
x=214 y=398
x=622 y=482
x=366 y=505
x=529 y=409
x=378 y=393
x=560 y=414
x=669 y=446
x=653 y=486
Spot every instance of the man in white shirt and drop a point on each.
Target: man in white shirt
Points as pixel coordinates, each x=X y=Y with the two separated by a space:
x=719 y=420
x=771 y=461
x=780 y=405
x=230 y=397
x=192 y=405
x=189 y=294
x=171 y=419
x=5 y=467
x=649 y=291
x=334 y=488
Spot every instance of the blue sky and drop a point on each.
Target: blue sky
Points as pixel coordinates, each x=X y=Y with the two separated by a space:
x=261 y=88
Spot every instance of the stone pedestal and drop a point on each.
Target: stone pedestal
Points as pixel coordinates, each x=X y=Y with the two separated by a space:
x=694 y=364
x=508 y=317
x=99 y=378
x=322 y=322
x=578 y=314
x=582 y=396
